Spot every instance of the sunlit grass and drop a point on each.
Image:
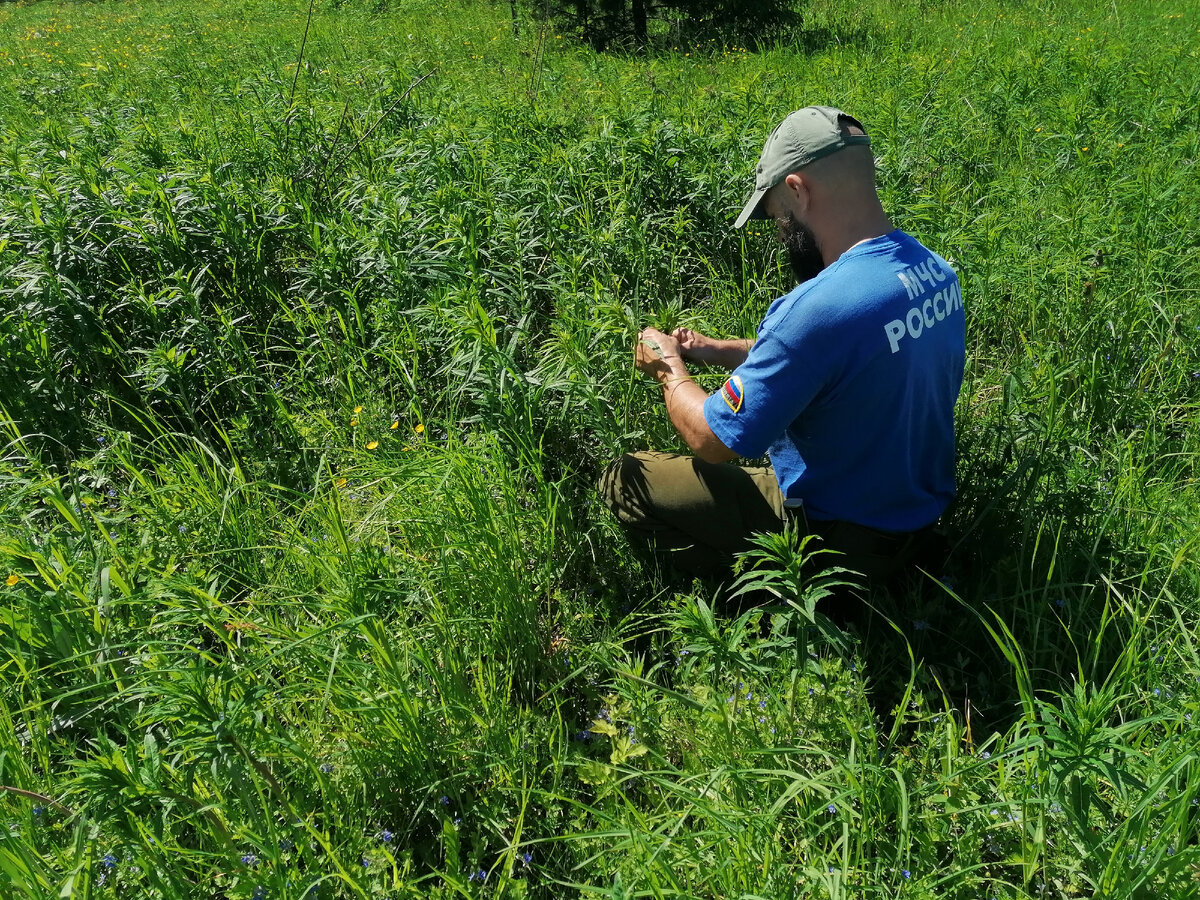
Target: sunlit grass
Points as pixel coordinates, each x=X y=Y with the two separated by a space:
x=307 y=591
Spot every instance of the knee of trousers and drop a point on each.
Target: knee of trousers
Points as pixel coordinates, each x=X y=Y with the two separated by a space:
x=623 y=489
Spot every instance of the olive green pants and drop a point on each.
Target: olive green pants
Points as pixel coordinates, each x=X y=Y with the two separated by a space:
x=702 y=514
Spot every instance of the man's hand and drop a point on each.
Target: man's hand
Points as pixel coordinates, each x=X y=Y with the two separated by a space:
x=658 y=355
x=711 y=351
x=694 y=345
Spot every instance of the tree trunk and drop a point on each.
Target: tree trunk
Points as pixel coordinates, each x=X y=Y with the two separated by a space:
x=639 y=22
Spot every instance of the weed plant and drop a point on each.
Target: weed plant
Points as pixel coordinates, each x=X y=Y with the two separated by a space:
x=315 y=332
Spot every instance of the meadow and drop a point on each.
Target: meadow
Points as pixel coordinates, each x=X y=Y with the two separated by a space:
x=316 y=329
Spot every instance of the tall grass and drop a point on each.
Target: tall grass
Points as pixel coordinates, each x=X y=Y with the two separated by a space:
x=310 y=366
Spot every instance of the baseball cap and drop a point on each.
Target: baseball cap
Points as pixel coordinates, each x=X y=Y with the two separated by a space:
x=801 y=139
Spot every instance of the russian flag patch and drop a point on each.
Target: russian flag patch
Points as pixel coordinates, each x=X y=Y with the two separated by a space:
x=731 y=393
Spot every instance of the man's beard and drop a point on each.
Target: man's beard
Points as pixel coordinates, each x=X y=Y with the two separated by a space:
x=801 y=246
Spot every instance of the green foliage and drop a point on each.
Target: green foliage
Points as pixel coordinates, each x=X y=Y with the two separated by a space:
x=310 y=364
x=608 y=24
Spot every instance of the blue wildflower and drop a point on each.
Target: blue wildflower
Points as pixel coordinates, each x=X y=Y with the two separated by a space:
x=249 y=860
x=444 y=800
x=527 y=857
x=386 y=836
x=831 y=809
x=906 y=874
x=109 y=861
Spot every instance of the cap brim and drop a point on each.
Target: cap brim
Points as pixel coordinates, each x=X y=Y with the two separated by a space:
x=751 y=210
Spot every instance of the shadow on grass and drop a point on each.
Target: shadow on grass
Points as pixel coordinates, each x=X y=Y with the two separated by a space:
x=790 y=31
x=1020 y=595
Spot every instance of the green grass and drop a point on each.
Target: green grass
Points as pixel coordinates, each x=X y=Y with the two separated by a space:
x=258 y=642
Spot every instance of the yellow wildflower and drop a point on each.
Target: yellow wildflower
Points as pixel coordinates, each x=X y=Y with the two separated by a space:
x=419 y=428
x=353 y=422
x=357 y=410
x=12 y=579
x=394 y=425
x=341 y=482
x=371 y=445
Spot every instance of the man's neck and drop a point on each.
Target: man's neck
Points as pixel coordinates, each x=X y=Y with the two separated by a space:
x=852 y=233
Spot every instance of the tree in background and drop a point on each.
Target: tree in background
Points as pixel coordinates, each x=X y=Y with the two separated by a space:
x=637 y=23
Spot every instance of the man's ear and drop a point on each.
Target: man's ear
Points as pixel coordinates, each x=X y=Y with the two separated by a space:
x=796 y=193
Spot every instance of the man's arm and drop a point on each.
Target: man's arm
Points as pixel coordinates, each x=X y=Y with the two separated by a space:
x=659 y=356
x=728 y=354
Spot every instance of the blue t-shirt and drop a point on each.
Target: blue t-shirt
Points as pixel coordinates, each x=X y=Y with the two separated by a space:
x=850 y=387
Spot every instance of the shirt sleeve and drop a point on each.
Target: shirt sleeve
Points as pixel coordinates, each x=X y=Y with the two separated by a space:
x=762 y=397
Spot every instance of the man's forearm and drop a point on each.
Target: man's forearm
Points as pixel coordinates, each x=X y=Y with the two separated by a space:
x=660 y=356
x=732 y=353
x=728 y=354
x=685 y=407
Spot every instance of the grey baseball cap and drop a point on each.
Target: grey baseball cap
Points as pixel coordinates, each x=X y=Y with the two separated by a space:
x=801 y=139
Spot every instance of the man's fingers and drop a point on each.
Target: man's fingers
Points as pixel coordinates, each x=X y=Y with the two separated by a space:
x=653 y=345
x=688 y=338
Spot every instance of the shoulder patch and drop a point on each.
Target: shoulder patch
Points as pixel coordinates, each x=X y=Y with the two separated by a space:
x=732 y=394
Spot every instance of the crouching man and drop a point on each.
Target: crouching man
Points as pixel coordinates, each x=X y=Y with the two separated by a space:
x=849 y=386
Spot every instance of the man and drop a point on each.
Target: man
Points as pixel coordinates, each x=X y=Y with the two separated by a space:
x=849 y=387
